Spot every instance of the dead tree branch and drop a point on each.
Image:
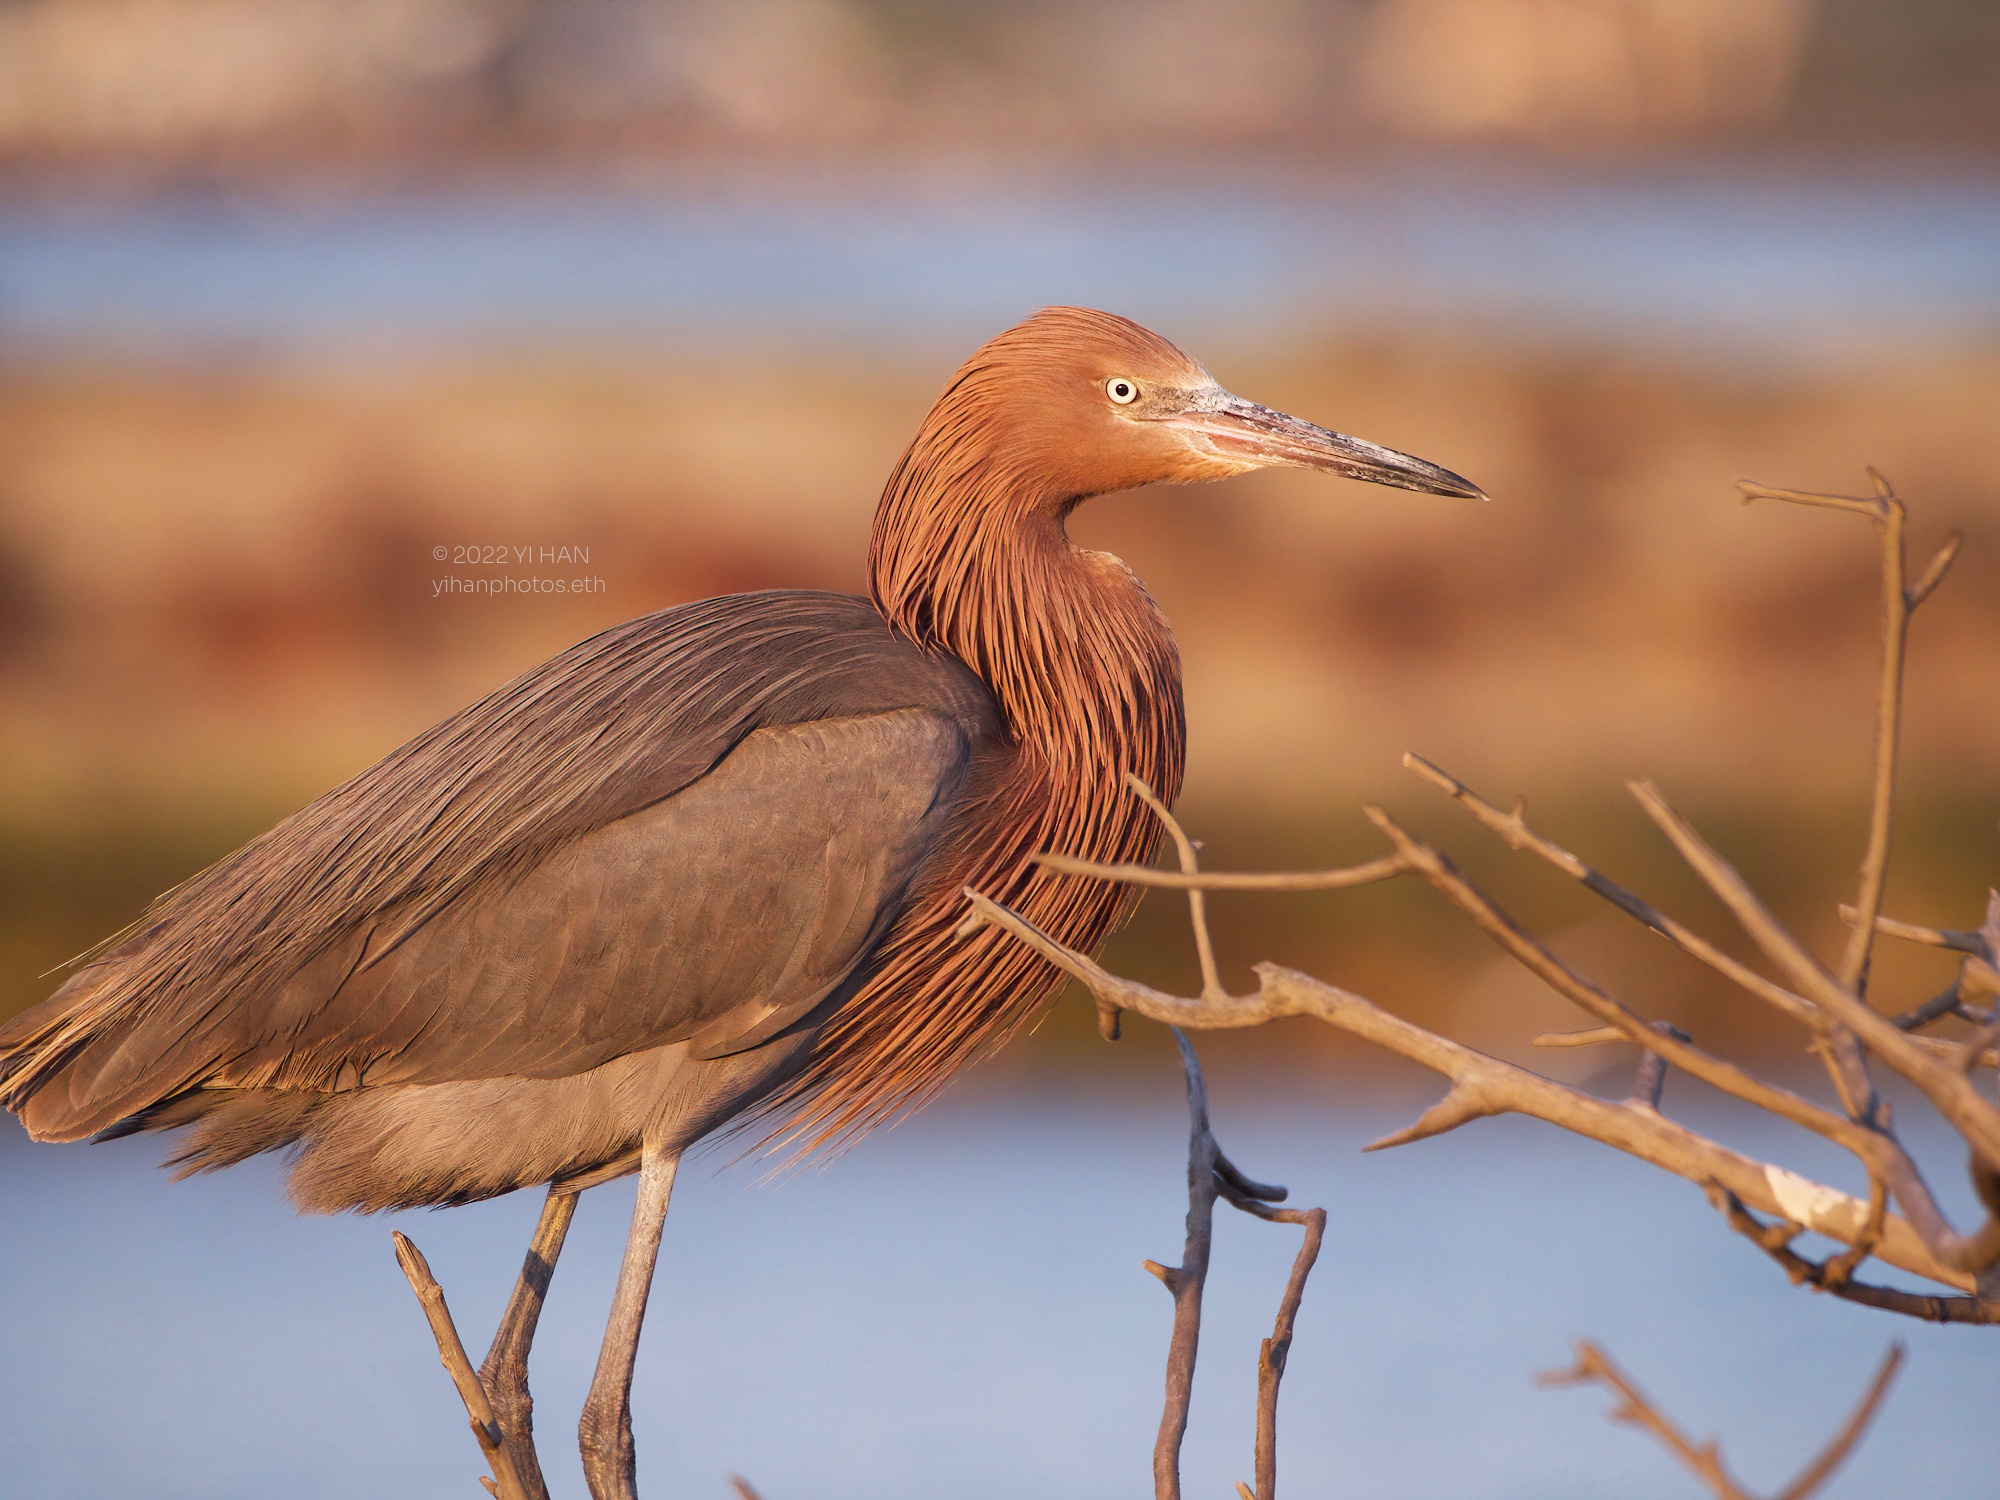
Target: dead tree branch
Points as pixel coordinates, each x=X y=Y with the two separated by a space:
x=1832 y=1004
x=1483 y=1086
x=506 y=1482
x=1705 y=1459
x=1211 y=1175
x=1834 y=1275
x=1276 y=1349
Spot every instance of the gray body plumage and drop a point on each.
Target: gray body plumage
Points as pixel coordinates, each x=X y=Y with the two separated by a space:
x=611 y=902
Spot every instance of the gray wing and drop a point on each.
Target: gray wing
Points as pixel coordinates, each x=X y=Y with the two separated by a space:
x=720 y=915
x=326 y=947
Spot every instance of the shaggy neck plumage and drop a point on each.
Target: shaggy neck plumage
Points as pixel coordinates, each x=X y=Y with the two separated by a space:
x=1081 y=661
x=1085 y=671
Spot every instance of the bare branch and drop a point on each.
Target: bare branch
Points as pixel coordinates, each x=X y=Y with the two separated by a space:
x=1944 y=1248
x=1204 y=945
x=1467 y=1101
x=1486 y=1086
x=1839 y=1269
x=1775 y=1240
x=1705 y=1460
x=1835 y=1453
x=1889 y=524
x=1595 y=1036
x=742 y=1488
x=1947 y=1088
x=1940 y=1005
x=1370 y=873
x=1751 y=490
x=1594 y=1365
x=1237 y=1188
x=1728 y=1077
x=1277 y=1348
x=1930 y=937
x=1212 y=1175
x=1955 y=1052
x=1934 y=571
x=1186 y=1281
x=1842 y=1056
x=1976 y=1049
x=506 y=1483
x=1513 y=828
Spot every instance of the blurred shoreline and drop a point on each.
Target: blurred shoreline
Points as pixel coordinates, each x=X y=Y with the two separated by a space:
x=1781 y=266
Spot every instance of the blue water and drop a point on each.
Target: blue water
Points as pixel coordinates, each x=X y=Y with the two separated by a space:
x=1774 y=263
x=957 y=1309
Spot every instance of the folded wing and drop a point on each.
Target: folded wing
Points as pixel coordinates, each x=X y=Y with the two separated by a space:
x=694 y=827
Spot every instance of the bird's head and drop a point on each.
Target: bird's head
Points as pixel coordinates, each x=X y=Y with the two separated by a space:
x=1074 y=402
x=1069 y=404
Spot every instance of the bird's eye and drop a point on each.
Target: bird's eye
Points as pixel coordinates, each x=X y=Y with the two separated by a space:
x=1122 y=389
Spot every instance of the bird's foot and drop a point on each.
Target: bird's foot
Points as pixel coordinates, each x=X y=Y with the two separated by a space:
x=610 y=1464
x=506 y=1383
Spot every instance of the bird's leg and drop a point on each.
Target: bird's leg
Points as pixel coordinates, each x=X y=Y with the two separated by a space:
x=504 y=1372
x=605 y=1433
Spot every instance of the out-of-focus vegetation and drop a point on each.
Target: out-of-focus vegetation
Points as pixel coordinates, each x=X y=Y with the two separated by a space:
x=149 y=86
x=220 y=573
x=222 y=597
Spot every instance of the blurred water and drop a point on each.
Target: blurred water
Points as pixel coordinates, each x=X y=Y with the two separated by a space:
x=956 y=1309
x=1783 y=264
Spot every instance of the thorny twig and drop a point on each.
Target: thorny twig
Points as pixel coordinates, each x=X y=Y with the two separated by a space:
x=1705 y=1459
x=1831 y=1003
x=1211 y=1175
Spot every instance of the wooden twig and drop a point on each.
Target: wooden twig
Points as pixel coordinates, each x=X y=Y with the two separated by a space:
x=1717 y=1072
x=1186 y=1282
x=1843 y=1058
x=1277 y=1348
x=1929 y=937
x=1705 y=1459
x=1944 y=1003
x=1513 y=828
x=1889 y=517
x=1484 y=1086
x=1371 y=872
x=1204 y=944
x=1970 y=1113
x=506 y=1482
x=1211 y=1175
x=1840 y=1049
x=1832 y=1004
x=1594 y=1036
x=1775 y=1240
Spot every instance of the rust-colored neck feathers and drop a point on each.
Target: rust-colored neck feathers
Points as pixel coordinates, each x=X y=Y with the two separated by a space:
x=970 y=557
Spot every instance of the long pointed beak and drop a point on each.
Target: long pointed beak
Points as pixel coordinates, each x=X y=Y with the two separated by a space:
x=1243 y=432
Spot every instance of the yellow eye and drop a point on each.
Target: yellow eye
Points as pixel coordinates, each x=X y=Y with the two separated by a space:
x=1122 y=389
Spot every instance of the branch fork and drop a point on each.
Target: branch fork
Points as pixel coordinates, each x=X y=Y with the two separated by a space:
x=1831 y=1003
x=1211 y=1175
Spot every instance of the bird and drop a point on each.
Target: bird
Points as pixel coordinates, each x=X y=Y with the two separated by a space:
x=702 y=870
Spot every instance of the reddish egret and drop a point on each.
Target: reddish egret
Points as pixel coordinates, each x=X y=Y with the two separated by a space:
x=702 y=867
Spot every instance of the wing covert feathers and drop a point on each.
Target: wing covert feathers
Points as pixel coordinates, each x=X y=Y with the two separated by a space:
x=232 y=969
